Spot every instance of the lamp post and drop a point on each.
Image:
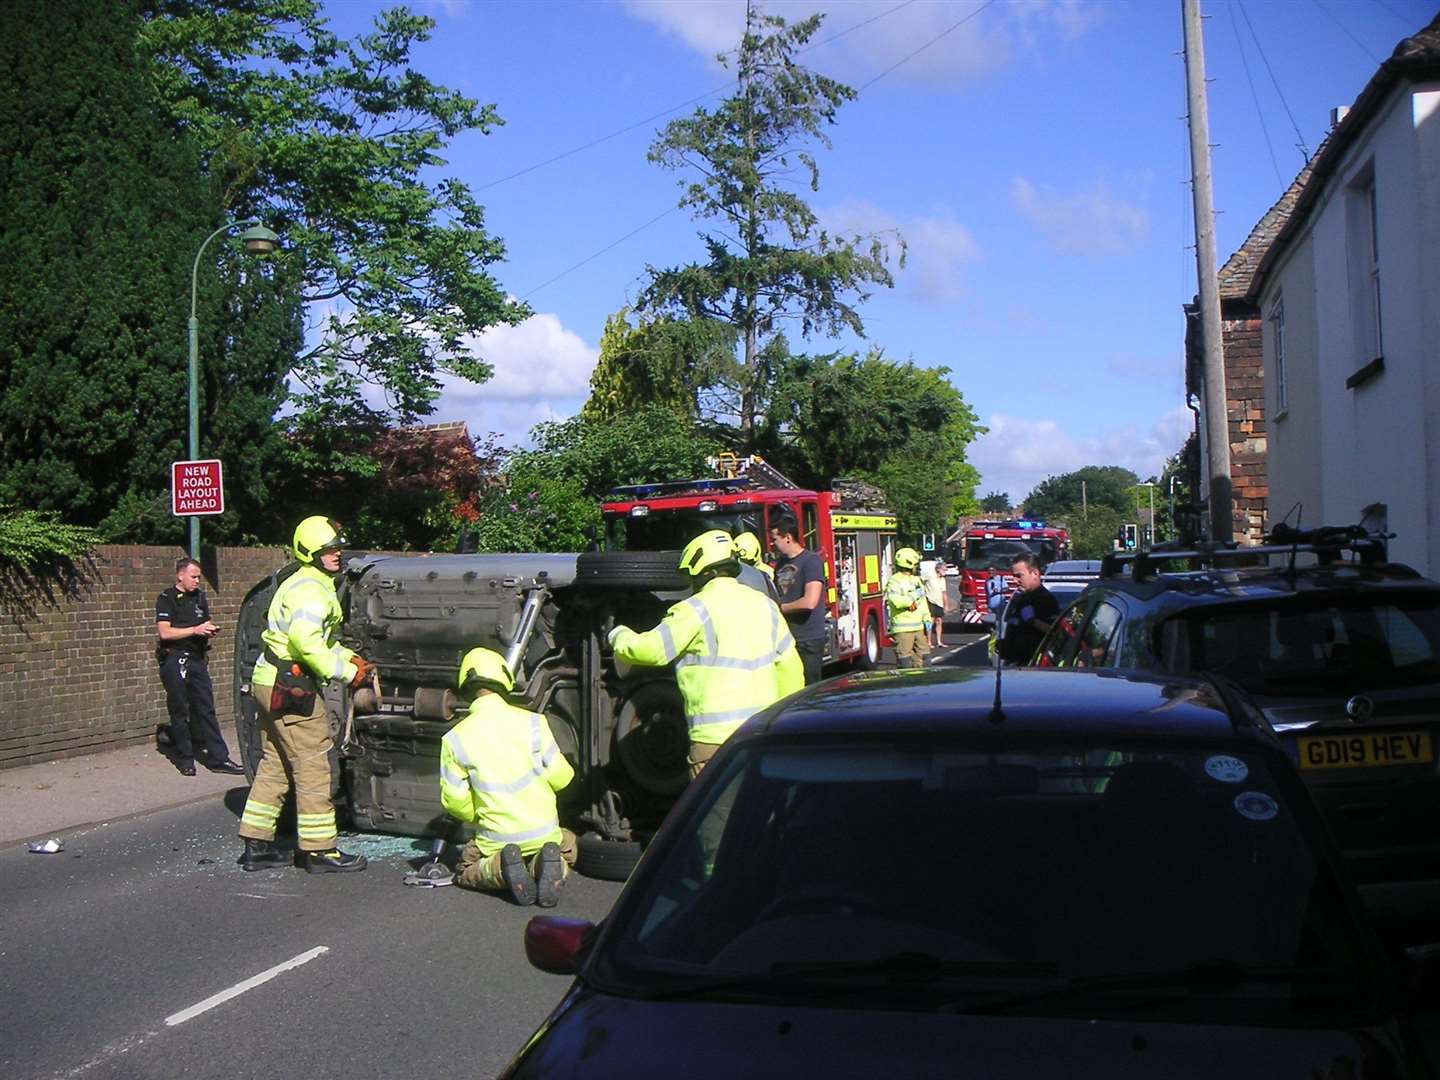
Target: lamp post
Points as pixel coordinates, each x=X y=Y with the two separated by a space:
x=258 y=240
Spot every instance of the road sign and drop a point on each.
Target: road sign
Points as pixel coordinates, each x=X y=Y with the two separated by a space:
x=196 y=488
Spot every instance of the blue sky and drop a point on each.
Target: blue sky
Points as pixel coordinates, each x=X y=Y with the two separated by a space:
x=1031 y=152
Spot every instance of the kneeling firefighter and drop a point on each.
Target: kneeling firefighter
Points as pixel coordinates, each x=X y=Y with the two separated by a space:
x=299 y=657
x=731 y=647
x=908 y=611
x=500 y=768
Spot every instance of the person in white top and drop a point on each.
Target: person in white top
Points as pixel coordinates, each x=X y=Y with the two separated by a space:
x=932 y=576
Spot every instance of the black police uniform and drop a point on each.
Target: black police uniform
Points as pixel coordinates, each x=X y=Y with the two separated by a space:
x=189 y=695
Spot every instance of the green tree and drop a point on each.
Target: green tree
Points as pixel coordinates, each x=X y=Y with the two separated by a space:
x=1093 y=536
x=768 y=262
x=1055 y=497
x=664 y=361
x=996 y=502
x=551 y=495
x=104 y=209
x=335 y=144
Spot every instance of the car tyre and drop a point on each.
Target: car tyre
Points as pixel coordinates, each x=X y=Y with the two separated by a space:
x=597 y=856
x=870 y=649
x=653 y=570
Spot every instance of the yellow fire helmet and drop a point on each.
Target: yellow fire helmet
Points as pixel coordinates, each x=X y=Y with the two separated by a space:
x=747 y=546
x=485 y=669
x=907 y=558
x=317 y=534
x=707 y=551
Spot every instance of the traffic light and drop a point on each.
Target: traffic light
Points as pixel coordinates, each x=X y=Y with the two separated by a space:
x=1132 y=537
x=1147 y=540
x=927 y=542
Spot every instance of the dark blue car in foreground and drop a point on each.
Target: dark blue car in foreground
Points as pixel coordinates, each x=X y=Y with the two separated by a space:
x=910 y=874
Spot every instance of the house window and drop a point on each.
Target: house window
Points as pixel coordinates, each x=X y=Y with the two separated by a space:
x=1363 y=256
x=1277 y=366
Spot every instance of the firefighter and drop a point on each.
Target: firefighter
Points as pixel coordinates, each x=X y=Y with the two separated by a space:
x=300 y=655
x=908 y=611
x=732 y=650
x=747 y=546
x=500 y=769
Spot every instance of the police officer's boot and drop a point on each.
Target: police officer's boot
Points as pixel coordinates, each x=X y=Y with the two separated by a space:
x=549 y=874
x=516 y=875
x=261 y=855
x=333 y=861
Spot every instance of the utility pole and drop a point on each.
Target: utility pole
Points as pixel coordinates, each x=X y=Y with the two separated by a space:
x=1217 y=421
x=1084 y=502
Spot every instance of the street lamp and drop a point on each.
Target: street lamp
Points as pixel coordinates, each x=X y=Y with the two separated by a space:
x=258 y=240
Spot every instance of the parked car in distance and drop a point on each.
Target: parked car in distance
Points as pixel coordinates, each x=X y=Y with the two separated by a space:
x=1342 y=653
x=897 y=873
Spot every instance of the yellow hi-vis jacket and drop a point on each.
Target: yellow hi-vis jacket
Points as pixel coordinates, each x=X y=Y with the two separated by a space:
x=905 y=602
x=303 y=620
x=733 y=656
x=499 y=770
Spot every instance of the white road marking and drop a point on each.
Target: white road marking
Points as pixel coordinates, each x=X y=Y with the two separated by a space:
x=239 y=988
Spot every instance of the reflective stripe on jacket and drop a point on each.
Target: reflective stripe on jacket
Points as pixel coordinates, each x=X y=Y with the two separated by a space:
x=905 y=602
x=302 y=623
x=500 y=768
x=733 y=656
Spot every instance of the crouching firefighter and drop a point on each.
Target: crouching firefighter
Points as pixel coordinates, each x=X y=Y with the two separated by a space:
x=499 y=770
x=731 y=647
x=299 y=657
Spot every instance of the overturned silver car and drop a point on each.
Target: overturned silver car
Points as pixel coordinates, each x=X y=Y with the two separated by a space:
x=414 y=616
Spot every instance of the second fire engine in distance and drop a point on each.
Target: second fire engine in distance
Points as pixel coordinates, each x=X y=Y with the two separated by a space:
x=853 y=535
x=988 y=548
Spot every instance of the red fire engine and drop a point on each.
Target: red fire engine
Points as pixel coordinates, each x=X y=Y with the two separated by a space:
x=987 y=549
x=854 y=538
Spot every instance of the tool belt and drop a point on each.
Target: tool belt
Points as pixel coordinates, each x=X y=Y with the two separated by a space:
x=295 y=688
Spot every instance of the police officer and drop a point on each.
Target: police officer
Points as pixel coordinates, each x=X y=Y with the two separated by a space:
x=183 y=629
x=500 y=769
x=908 y=611
x=732 y=650
x=300 y=656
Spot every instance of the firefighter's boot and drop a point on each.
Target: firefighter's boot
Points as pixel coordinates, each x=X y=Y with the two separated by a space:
x=516 y=876
x=549 y=874
x=333 y=861
x=262 y=855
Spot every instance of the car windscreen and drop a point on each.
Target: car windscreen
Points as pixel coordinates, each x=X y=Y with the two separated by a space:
x=999 y=553
x=1311 y=645
x=671 y=530
x=973 y=876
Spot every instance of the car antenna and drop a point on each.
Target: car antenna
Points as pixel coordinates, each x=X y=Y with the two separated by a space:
x=997 y=714
x=1299 y=511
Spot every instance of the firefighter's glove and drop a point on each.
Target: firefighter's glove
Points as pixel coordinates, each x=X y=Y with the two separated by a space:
x=363 y=670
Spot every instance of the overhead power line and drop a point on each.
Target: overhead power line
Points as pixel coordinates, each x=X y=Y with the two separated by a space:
x=1346 y=31
x=1255 y=97
x=943 y=33
x=1409 y=23
x=676 y=108
x=602 y=251
x=1300 y=139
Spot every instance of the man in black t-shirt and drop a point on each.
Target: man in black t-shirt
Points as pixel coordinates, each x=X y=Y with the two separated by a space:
x=1029 y=613
x=800 y=581
x=183 y=629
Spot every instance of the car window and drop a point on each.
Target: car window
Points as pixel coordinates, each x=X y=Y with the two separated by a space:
x=1098 y=637
x=1311 y=645
x=1033 y=863
x=1059 y=645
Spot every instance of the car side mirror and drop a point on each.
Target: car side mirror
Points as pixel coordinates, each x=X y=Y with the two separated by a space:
x=1422 y=974
x=556 y=944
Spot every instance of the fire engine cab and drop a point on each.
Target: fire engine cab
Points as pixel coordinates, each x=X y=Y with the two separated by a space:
x=847 y=527
x=988 y=548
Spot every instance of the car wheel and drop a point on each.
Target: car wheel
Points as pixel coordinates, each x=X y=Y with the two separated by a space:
x=870 y=645
x=597 y=856
x=653 y=570
x=652 y=739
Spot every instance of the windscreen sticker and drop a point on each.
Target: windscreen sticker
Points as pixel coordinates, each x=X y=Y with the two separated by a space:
x=1256 y=805
x=1226 y=769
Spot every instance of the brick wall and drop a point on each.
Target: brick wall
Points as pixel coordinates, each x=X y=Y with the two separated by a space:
x=1245 y=398
x=77 y=672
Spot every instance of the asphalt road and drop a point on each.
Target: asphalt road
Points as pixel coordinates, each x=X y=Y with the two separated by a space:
x=108 y=950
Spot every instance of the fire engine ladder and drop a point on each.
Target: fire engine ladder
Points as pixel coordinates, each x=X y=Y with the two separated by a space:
x=755 y=469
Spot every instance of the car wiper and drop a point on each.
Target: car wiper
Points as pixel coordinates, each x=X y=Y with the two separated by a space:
x=1220 y=975
x=892 y=970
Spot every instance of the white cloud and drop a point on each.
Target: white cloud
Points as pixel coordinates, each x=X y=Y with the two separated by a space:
x=959 y=41
x=542 y=372
x=1083 y=221
x=939 y=248
x=1018 y=453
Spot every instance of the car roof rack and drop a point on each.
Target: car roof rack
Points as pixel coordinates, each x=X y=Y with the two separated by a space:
x=1325 y=542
